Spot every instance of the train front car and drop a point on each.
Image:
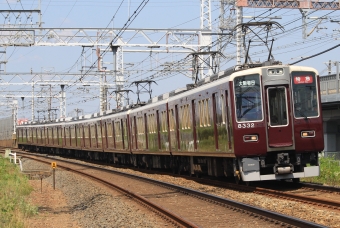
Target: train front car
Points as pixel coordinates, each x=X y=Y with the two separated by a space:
x=277 y=122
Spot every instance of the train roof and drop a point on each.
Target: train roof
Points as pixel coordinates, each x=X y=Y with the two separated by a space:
x=207 y=82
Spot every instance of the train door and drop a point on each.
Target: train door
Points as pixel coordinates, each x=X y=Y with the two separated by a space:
x=280 y=132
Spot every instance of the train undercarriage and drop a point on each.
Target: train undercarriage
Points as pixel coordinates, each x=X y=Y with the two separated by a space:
x=274 y=166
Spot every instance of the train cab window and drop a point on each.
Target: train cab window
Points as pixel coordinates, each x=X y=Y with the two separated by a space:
x=277 y=100
x=248 y=100
x=305 y=95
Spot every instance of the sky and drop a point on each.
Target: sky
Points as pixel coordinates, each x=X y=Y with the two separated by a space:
x=289 y=46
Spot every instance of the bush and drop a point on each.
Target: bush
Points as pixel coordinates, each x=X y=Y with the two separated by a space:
x=14 y=189
x=329 y=172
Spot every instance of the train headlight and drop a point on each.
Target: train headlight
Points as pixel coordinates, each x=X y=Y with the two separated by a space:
x=307 y=134
x=275 y=71
x=250 y=138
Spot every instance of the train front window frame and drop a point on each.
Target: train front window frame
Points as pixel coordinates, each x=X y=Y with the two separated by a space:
x=277 y=106
x=305 y=95
x=248 y=98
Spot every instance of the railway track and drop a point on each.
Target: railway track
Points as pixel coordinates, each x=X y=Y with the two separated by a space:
x=200 y=210
x=317 y=187
x=309 y=194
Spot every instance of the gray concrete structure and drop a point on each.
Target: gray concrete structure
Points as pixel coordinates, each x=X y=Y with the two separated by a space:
x=330 y=98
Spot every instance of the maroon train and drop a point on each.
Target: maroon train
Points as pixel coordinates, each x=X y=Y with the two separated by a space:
x=261 y=123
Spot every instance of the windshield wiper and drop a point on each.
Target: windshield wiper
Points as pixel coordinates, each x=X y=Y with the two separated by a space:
x=302 y=114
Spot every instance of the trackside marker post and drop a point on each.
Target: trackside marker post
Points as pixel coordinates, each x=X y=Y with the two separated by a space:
x=54 y=165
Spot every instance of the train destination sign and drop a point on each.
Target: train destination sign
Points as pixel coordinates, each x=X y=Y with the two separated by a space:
x=303 y=80
x=247 y=83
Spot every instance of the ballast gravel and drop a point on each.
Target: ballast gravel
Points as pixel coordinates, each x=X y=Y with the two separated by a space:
x=79 y=202
x=94 y=207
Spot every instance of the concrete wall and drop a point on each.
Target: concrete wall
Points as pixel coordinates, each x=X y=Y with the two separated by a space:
x=331 y=127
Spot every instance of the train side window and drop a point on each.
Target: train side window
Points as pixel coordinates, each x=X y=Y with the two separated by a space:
x=28 y=134
x=222 y=103
x=109 y=129
x=93 y=135
x=34 y=135
x=60 y=135
x=42 y=130
x=86 y=134
x=79 y=135
x=43 y=136
x=99 y=133
x=204 y=114
x=182 y=116
x=50 y=135
x=164 y=122
x=72 y=133
x=172 y=120
x=125 y=134
x=54 y=135
x=200 y=110
x=140 y=126
x=207 y=113
x=104 y=132
x=38 y=135
x=63 y=136
x=67 y=135
x=152 y=123
x=76 y=135
x=118 y=129
x=185 y=117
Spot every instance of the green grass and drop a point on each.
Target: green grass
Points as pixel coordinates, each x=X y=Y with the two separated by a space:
x=329 y=172
x=14 y=188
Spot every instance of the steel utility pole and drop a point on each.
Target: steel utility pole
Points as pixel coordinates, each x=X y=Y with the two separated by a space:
x=62 y=102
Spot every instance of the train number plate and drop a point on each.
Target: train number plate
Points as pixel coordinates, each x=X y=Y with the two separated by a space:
x=246 y=125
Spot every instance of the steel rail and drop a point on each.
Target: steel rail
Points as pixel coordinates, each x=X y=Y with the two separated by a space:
x=231 y=203
x=305 y=199
x=154 y=207
x=320 y=187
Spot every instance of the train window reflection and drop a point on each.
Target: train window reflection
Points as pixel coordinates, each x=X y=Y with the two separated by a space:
x=277 y=106
x=248 y=99
x=305 y=95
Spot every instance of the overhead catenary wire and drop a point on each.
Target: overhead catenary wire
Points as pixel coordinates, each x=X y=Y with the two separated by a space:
x=121 y=31
x=327 y=50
